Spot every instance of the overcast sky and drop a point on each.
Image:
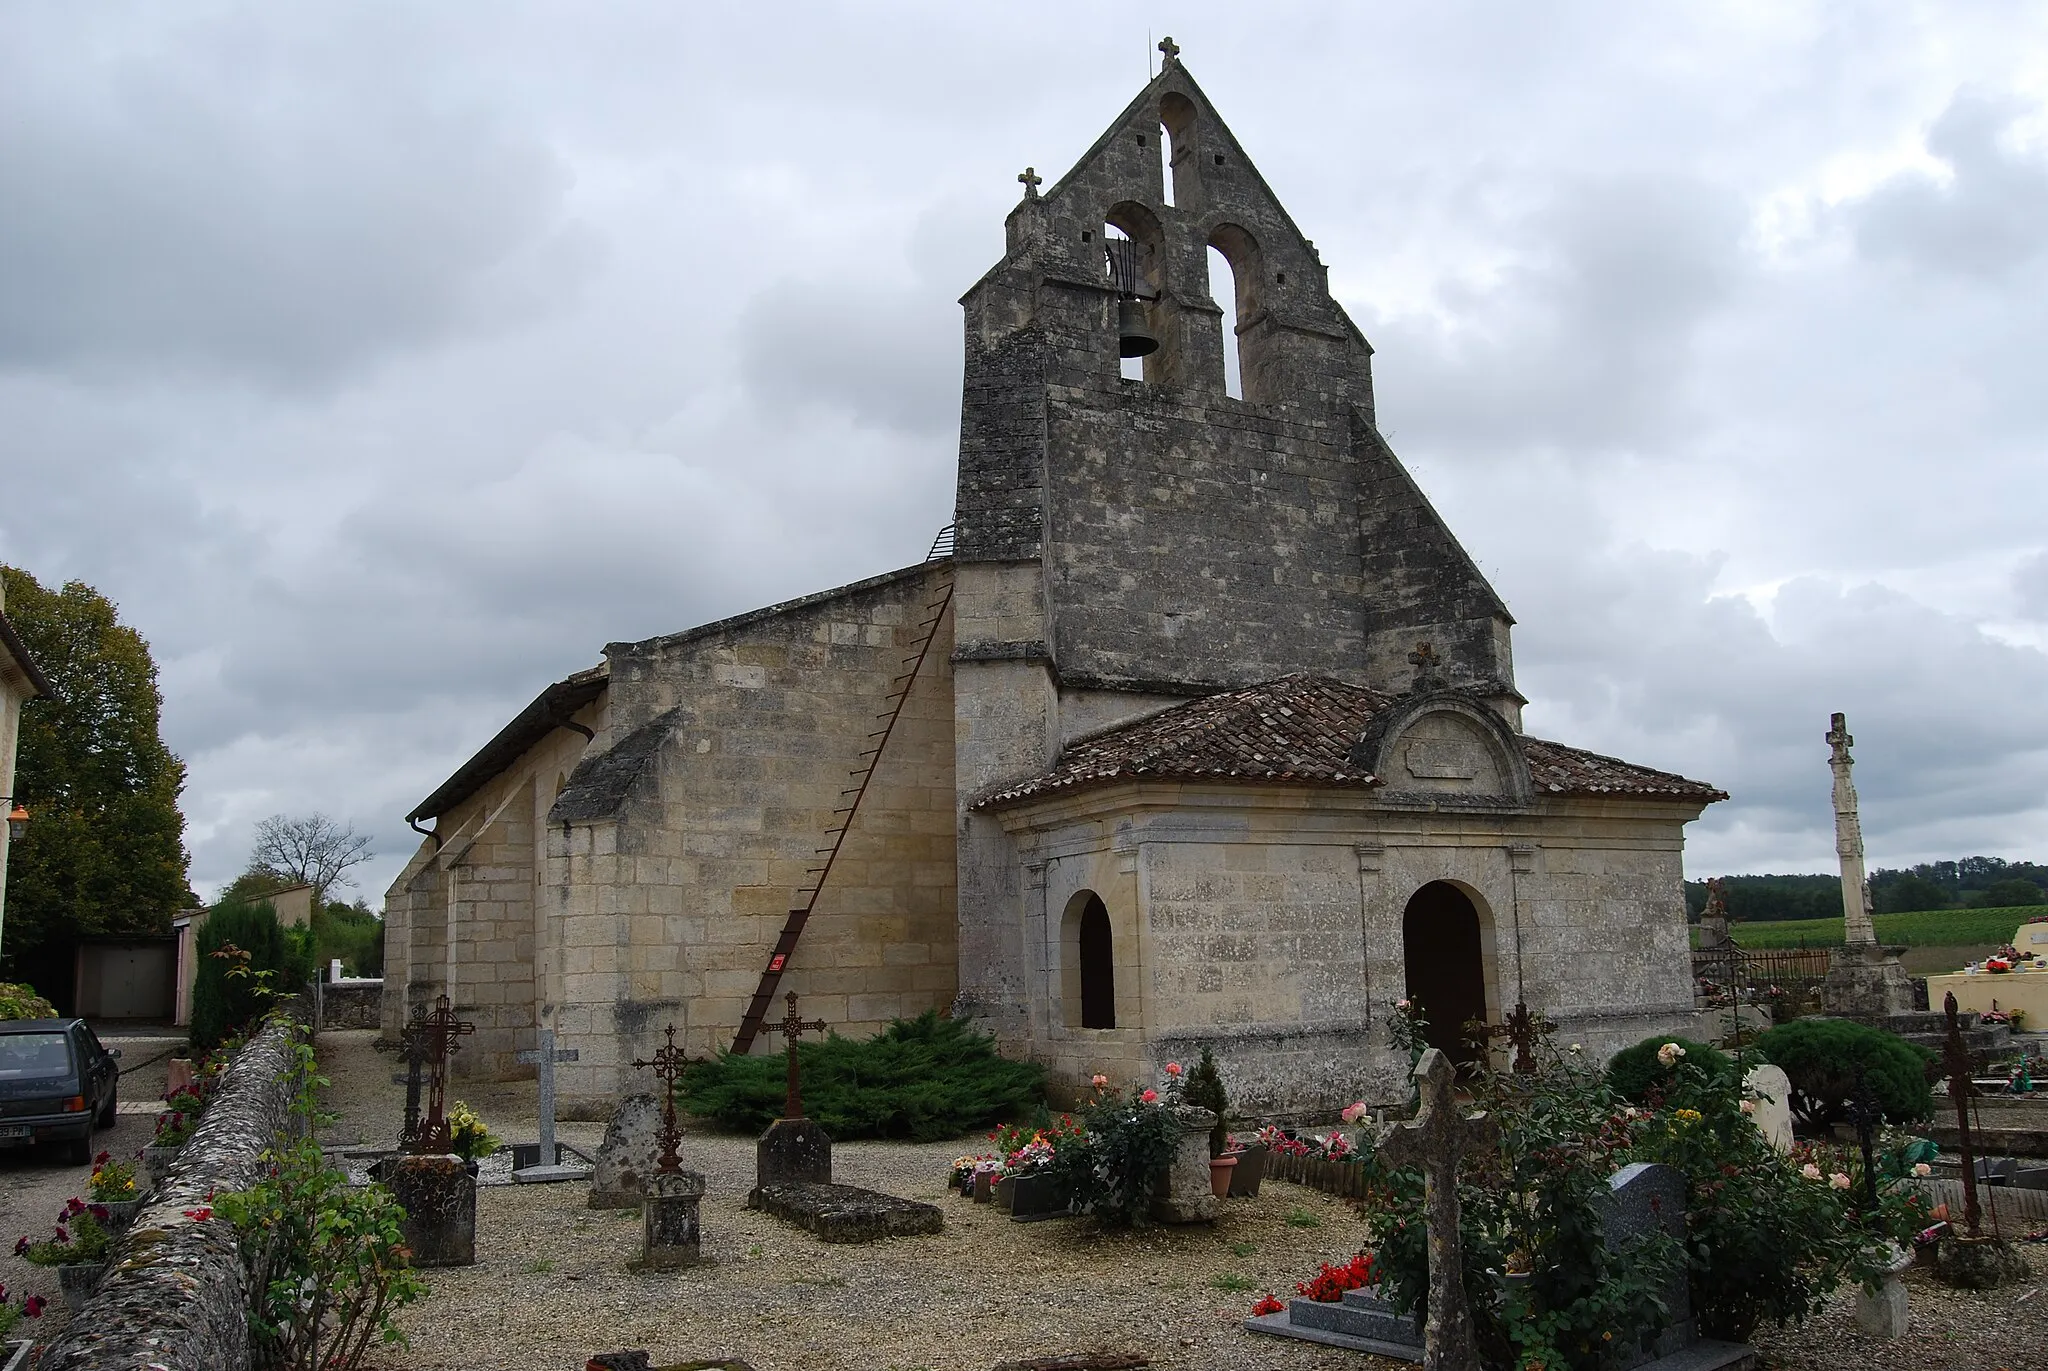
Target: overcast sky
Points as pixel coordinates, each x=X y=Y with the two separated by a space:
x=384 y=361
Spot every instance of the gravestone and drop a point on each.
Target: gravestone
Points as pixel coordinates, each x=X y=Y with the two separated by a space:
x=793 y=1152
x=1643 y=1198
x=547 y=1156
x=1772 y=1090
x=1882 y=1313
x=439 y=1198
x=628 y=1156
x=670 y=1235
x=1437 y=1141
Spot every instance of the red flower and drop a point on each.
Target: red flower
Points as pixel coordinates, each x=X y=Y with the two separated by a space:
x=62 y=1236
x=102 y=1159
x=200 y=1215
x=1150 y=1097
x=20 y=1246
x=73 y=1207
x=100 y=1212
x=1267 y=1305
x=33 y=1306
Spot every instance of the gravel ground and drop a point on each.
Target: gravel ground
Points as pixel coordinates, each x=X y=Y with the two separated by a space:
x=35 y=1183
x=551 y=1284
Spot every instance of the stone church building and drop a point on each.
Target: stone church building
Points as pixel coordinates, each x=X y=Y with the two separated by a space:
x=1201 y=728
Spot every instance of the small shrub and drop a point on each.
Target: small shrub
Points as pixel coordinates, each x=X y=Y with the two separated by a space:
x=1301 y=1218
x=1635 y=1072
x=1821 y=1058
x=924 y=1079
x=22 y=1002
x=1231 y=1281
x=1130 y=1143
x=1204 y=1090
x=80 y=1237
x=468 y=1136
x=245 y=960
x=111 y=1180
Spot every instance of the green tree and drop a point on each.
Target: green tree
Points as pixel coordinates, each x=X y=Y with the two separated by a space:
x=2005 y=895
x=1909 y=892
x=104 y=850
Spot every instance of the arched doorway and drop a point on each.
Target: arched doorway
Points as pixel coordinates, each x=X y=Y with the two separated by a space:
x=1440 y=938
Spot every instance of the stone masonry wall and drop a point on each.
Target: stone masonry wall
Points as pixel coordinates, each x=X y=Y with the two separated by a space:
x=675 y=856
x=173 y=1297
x=1269 y=925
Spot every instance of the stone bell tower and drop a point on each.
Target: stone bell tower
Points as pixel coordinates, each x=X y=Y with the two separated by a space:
x=1124 y=544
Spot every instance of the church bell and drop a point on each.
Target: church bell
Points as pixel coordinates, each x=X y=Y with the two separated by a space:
x=1134 y=335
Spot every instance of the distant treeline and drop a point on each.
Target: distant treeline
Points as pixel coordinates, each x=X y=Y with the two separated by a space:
x=1971 y=883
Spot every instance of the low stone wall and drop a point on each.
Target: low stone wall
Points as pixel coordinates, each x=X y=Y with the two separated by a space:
x=172 y=1299
x=352 y=1003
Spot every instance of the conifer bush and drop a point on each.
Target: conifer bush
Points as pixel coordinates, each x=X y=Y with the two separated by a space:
x=1821 y=1058
x=923 y=1079
x=224 y=1004
x=1634 y=1072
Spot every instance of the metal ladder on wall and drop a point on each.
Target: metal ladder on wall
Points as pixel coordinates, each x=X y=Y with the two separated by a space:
x=870 y=758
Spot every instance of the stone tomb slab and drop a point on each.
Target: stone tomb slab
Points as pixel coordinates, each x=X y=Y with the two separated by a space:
x=846 y=1213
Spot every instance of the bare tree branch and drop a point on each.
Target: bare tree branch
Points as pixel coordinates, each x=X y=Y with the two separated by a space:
x=312 y=849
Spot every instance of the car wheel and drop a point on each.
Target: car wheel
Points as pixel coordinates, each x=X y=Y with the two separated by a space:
x=110 y=1108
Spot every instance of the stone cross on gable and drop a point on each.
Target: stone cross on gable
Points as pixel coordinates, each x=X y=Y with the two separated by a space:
x=543 y=1058
x=1171 y=50
x=1429 y=669
x=1032 y=181
x=430 y=1040
x=792 y=1026
x=668 y=1063
x=1956 y=1061
x=1437 y=1140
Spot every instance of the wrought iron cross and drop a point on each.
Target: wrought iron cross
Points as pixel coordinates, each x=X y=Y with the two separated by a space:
x=669 y=1064
x=410 y=1049
x=791 y=1027
x=1521 y=1028
x=1955 y=1059
x=1437 y=1140
x=1032 y=181
x=433 y=1038
x=1866 y=1113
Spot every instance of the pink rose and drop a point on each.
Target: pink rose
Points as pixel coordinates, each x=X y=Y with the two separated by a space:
x=1150 y=1097
x=1838 y=1181
x=1810 y=1171
x=1922 y=1169
x=1749 y=1106
x=1173 y=1068
x=1353 y=1112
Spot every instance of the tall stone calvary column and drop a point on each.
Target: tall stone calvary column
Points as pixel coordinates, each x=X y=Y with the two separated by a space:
x=1856 y=926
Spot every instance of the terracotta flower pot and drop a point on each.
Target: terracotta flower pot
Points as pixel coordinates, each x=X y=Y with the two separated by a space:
x=1220 y=1169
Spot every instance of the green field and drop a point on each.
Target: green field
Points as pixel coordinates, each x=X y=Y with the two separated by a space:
x=1930 y=928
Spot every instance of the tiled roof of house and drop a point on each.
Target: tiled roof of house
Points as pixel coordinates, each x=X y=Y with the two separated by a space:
x=1299 y=730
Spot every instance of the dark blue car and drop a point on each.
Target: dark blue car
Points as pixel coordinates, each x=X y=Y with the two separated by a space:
x=57 y=1084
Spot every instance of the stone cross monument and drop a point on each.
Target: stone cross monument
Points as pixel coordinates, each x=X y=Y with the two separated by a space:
x=1437 y=1140
x=1856 y=925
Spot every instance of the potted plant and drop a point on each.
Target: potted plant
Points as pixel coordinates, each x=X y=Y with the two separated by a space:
x=1034 y=1185
x=1204 y=1090
x=174 y=1128
x=113 y=1185
x=14 y=1354
x=77 y=1248
x=468 y=1137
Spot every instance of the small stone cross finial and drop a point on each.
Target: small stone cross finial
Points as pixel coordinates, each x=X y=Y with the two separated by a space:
x=1437 y=1140
x=1172 y=51
x=792 y=1026
x=668 y=1063
x=1032 y=181
x=1429 y=673
x=1839 y=739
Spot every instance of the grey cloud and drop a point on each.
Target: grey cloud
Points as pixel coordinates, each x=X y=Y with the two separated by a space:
x=292 y=220
x=1986 y=222
x=1584 y=339
x=2030 y=587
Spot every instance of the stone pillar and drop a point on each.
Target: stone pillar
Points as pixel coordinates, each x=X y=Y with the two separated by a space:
x=439 y=1196
x=668 y=1220
x=1883 y=1315
x=1188 y=1196
x=1857 y=928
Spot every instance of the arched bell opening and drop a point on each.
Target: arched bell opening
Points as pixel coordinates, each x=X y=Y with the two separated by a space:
x=1133 y=262
x=1444 y=940
x=1234 y=270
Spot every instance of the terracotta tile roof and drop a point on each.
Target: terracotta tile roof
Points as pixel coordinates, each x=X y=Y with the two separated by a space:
x=1299 y=730
x=1560 y=770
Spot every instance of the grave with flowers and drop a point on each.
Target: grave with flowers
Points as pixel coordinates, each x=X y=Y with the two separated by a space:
x=1657 y=1229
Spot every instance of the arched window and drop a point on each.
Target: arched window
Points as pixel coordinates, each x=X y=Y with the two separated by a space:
x=1233 y=285
x=1176 y=130
x=1089 y=982
x=1115 y=245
